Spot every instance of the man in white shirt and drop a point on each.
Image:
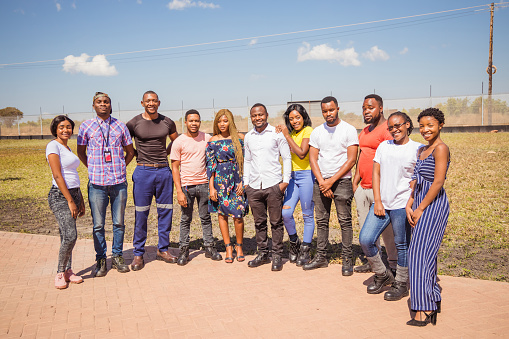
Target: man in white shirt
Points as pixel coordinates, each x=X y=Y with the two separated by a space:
x=264 y=184
x=332 y=154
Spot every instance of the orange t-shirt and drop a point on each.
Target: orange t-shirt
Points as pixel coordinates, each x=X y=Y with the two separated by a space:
x=368 y=142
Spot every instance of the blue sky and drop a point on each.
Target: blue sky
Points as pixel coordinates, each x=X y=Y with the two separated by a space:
x=399 y=58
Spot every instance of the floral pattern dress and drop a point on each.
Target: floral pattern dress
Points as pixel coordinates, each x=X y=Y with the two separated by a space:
x=220 y=156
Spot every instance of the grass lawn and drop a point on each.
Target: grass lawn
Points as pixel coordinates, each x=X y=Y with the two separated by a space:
x=475 y=245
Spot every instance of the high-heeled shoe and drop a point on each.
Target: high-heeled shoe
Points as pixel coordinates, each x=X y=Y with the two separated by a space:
x=228 y=260
x=430 y=318
x=240 y=258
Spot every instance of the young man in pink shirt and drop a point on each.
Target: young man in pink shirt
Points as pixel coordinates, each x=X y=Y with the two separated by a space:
x=371 y=136
x=190 y=176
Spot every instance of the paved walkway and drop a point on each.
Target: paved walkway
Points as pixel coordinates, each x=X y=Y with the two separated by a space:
x=207 y=299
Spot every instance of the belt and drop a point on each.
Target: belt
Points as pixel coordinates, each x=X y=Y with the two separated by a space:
x=153 y=165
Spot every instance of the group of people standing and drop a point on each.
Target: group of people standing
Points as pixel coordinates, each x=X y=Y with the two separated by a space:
x=398 y=187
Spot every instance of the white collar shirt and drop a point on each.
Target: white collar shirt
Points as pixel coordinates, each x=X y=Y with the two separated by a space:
x=262 y=168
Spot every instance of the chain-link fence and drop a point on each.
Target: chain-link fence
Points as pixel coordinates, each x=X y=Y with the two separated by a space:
x=459 y=111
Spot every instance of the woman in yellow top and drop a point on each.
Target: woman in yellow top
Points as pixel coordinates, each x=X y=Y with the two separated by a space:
x=297 y=130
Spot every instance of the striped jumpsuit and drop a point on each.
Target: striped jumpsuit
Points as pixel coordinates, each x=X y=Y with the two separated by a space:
x=426 y=239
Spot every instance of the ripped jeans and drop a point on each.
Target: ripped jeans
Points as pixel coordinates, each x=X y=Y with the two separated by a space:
x=300 y=188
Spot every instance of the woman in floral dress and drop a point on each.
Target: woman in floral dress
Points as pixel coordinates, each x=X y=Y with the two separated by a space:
x=225 y=161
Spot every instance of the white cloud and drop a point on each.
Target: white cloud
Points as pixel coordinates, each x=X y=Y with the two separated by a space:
x=182 y=4
x=404 y=51
x=346 y=57
x=253 y=42
x=98 y=66
x=73 y=5
x=59 y=7
x=20 y=11
x=376 y=53
x=139 y=2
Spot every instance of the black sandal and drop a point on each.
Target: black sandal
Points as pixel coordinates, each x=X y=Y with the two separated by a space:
x=240 y=258
x=228 y=260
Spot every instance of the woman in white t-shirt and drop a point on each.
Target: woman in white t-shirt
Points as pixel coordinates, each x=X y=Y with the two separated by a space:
x=393 y=167
x=64 y=197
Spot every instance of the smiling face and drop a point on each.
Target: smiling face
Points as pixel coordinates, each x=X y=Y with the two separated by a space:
x=102 y=107
x=150 y=103
x=296 y=120
x=429 y=128
x=330 y=113
x=64 y=130
x=193 y=123
x=371 y=111
x=398 y=128
x=223 y=124
x=259 y=117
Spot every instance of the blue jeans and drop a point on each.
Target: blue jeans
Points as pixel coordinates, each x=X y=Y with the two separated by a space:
x=300 y=188
x=375 y=225
x=98 y=198
x=147 y=183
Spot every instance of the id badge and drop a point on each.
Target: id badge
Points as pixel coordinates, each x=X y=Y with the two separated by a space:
x=107 y=156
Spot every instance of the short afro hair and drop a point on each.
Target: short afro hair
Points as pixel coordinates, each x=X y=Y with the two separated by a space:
x=405 y=117
x=328 y=99
x=432 y=112
x=191 y=112
x=376 y=97
x=56 y=121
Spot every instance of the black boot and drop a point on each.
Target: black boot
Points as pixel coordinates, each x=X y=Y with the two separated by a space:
x=100 y=268
x=319 y=261
x=380 y=281
x=304 y=256
x=211 y=252
x=119 y=263
x=347 y=267
x=183 y=256
x=261 y=258
x=365 y=268
x=277 y=262
x=397 y=291
x=294 y=250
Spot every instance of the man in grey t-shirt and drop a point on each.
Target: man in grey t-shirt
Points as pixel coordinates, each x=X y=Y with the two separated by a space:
x=152 y=177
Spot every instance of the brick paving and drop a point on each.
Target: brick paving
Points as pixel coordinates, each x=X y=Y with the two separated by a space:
x=207 y=299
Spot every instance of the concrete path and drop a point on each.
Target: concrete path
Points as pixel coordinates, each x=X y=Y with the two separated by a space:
x=207 y=299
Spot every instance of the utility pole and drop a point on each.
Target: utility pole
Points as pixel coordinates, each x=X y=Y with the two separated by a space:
x=490 y=66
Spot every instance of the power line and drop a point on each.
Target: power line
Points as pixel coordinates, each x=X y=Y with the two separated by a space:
x=260 y=36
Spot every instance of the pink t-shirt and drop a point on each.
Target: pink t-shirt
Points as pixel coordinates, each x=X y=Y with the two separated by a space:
x=191 y=154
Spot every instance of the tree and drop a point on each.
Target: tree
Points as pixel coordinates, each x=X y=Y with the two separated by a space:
x=10 y=115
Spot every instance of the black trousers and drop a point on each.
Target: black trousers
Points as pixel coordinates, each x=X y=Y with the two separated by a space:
x=261 y=200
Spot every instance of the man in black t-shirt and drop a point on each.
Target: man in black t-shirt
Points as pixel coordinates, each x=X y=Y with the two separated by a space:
x=152 y=177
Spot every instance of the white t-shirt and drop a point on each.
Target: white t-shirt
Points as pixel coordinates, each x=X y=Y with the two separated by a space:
x=397 y=164
x=332 y=143
x=69 y=163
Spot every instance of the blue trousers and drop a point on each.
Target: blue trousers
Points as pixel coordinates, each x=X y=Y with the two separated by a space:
x=99 y=197
x=375 y=225
x=149 y=182
x=300 y=188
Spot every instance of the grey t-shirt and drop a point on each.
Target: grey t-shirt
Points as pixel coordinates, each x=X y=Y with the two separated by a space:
x=150 y=137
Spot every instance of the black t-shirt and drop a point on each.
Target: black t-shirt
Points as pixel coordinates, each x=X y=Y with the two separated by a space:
x=150 y=137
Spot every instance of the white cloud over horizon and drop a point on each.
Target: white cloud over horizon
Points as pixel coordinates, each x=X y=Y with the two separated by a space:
x=179 y=5
x=253 y=42
x=404 y=51
x=98 y=66
x=376 y=53
x=345 y=57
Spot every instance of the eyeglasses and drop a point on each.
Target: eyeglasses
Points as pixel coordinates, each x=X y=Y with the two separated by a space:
x=396 y=126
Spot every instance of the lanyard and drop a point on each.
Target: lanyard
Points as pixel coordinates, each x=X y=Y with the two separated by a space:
x=107 y=137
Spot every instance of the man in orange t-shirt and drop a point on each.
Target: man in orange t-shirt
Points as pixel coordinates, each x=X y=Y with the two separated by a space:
x=369 y=139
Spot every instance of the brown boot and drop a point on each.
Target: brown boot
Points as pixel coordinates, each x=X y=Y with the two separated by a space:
x=137 y=263
x=166 y=257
